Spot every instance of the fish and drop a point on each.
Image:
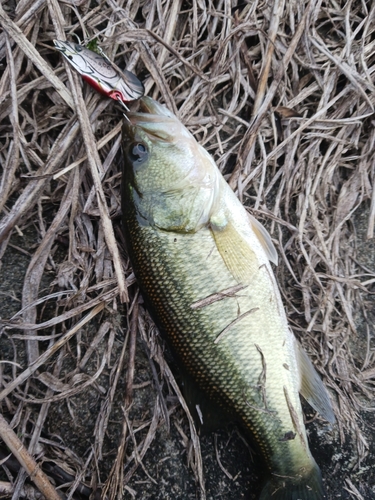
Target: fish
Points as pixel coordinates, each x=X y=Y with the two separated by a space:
x=98 y=72
x=203 y=265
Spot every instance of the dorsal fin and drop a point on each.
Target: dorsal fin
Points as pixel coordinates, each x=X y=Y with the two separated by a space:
x=264 y=239
x=312 y=387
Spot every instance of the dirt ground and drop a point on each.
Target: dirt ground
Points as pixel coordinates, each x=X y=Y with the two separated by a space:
x=282 y=95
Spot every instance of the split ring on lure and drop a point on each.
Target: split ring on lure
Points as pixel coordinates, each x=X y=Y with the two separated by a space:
x=99 y=73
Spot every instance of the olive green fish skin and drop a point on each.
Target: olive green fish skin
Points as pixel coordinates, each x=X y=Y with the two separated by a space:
x=176 y=270
x=238 y=350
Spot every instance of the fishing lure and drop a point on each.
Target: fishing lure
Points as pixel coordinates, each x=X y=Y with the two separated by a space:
x=98 y=72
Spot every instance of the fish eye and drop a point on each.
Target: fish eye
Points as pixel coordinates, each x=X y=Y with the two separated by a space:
x=78 y=47
x=138 y=153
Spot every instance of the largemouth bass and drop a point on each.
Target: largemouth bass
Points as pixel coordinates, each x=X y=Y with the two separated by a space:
x=203 y=265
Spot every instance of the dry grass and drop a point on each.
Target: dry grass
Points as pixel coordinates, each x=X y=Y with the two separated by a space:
x=281 y=94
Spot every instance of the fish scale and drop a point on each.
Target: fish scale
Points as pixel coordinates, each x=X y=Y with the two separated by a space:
x=234 y=363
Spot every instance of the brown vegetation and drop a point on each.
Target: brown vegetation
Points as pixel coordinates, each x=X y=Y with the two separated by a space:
x=282 y=95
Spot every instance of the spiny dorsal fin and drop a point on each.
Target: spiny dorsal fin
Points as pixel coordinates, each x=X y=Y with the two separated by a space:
x=264 y=239
x=239 y=258
x=312 y=388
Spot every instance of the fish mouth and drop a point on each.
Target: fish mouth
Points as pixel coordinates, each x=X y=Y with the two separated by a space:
x=155 y=120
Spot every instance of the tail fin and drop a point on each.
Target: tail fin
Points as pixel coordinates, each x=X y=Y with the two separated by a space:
x=307 y=487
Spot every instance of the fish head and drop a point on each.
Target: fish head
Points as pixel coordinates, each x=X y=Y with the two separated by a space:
x=171 y=180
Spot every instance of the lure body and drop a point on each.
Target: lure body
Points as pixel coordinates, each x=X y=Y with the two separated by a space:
x=100 y=74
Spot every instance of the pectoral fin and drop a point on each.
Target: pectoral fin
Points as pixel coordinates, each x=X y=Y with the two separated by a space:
x=239 y=258
x=312 y=388
x=264 y=238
